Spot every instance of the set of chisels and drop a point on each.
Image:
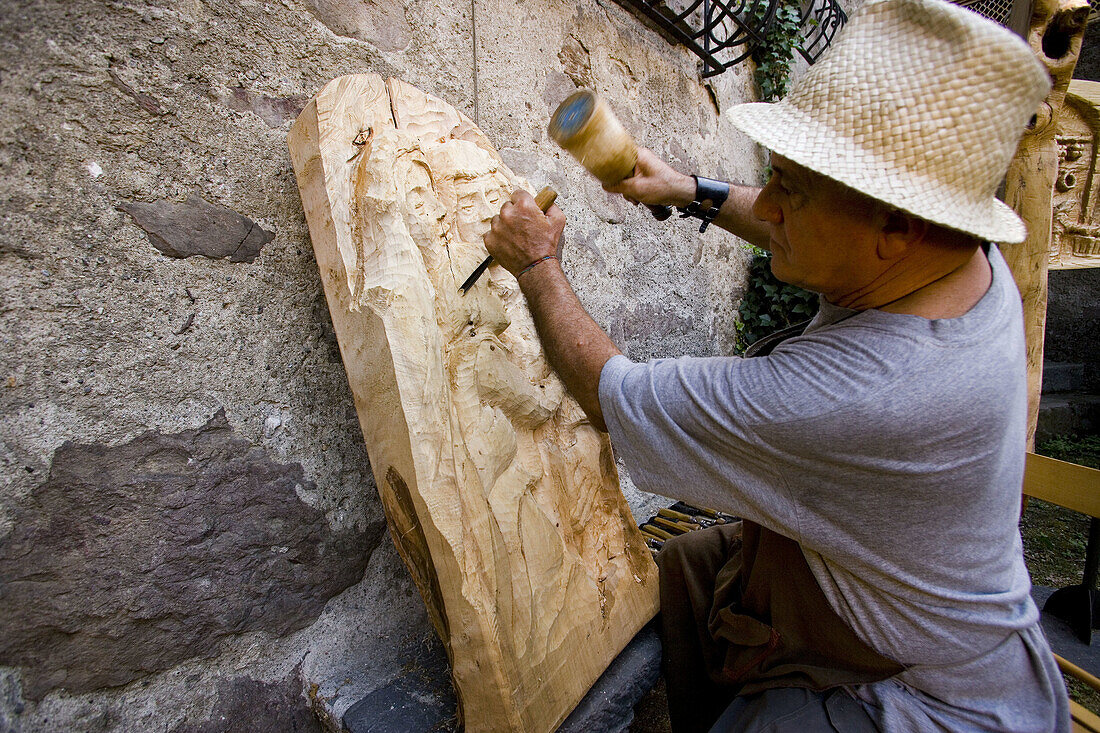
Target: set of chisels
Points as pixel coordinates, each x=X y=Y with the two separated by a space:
x=680 y=518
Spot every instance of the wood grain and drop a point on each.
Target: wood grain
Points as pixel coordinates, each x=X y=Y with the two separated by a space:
x=501 y=499
x=1070 y=485
x=1029 y=185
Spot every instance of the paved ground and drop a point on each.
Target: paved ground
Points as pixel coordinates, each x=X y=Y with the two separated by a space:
x=1062 y=639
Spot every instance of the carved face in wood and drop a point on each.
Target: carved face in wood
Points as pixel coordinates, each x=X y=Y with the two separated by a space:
x=480 y=197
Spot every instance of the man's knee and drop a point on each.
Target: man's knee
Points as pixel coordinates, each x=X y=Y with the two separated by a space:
x=795 y=709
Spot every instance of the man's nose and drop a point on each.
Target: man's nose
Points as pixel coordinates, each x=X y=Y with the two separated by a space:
x=765 y=208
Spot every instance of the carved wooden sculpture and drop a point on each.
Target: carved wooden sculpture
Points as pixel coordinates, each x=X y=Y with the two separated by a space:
x=502 y=500
x=1076 y=236
x=1057 y=27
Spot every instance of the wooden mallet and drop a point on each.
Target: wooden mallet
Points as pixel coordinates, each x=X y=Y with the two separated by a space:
x=586 y=127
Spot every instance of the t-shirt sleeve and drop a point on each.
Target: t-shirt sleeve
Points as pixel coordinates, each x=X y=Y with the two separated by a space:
x=675 y=424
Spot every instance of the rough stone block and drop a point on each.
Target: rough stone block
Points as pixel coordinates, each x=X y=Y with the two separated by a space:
x=609 y=705
x=1062 y=377
x=130 y=559
x=253 y=705
x=421 y=699
x=198 y=227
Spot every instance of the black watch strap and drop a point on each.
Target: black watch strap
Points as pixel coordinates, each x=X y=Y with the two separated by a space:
x=706 y=189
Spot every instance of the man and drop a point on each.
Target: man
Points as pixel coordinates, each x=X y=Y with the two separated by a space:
x=877 y=458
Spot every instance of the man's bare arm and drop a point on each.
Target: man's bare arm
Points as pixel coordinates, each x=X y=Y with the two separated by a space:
x=655 y=182
x=525 y=241
x=576 y=347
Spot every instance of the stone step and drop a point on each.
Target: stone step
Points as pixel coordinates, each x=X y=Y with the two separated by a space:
x=1067 y=413
x=422 y=700
x=1064 y=377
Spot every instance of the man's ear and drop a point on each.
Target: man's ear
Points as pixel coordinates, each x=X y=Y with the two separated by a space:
x=898 y=231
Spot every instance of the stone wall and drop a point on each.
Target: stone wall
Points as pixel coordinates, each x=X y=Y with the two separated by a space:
x=190 y=536
x=1073 y=327
x=1073 y=323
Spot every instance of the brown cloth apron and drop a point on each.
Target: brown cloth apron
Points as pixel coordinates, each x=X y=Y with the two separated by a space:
x=742 y=612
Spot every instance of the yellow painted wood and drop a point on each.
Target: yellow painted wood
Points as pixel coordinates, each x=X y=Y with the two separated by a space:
x=1084 y=720
x=1073 y=670
x=1066 y=484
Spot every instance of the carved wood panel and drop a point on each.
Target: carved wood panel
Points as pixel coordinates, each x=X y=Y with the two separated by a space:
x=1075 y=240
x=502 y=500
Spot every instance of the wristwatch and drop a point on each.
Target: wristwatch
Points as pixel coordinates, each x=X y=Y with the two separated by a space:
x=706 y=189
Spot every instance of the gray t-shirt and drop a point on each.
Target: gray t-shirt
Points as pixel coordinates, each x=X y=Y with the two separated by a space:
x=891 y=447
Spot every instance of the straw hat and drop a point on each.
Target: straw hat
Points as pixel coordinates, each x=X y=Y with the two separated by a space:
x=918 y=103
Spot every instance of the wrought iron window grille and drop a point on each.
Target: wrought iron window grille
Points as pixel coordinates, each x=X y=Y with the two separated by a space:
x=1012 y=14
x=725 y=32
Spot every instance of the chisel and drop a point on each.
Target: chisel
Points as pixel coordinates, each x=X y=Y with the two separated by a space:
x=544 y=199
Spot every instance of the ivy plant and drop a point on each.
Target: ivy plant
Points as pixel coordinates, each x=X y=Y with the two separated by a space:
x=768 y=304
x=775 y=55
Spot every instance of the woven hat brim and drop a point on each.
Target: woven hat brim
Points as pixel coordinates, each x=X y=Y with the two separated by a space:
x=788 y=132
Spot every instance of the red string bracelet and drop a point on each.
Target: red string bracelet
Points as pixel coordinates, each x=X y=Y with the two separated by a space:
x=535 y=264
